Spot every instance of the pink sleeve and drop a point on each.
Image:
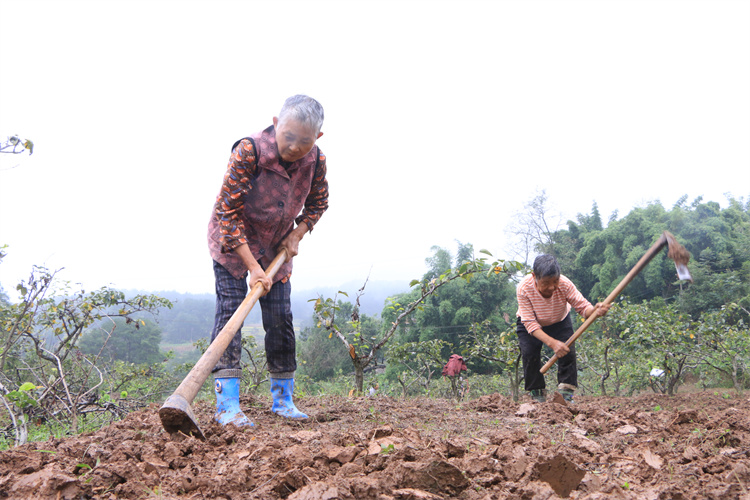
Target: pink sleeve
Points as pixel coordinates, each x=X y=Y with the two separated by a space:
x=575 y=298
x=526 y=311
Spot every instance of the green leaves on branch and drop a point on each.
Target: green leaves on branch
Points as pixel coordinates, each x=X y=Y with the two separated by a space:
x=662 y=338
x=39 y=338
x=22 y=397
x=363 y=345
x=466 y=270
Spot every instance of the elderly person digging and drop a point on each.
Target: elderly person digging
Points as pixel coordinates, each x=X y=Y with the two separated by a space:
x=274 y=192
x=545 y=299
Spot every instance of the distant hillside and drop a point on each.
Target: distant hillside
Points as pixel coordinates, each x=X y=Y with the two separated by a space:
x=371 y=302
x=192 y=316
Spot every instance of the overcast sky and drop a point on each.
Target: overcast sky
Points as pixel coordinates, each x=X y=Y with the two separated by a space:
x=442 y=120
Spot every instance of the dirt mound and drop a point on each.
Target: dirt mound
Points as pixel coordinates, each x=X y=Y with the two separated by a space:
x=690 y=446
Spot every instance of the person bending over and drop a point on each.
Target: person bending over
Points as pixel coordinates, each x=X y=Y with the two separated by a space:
x=274 y=192
x=545 y=298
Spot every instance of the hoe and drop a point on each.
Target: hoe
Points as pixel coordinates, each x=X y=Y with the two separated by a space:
x=176 y=413
x=676 y=252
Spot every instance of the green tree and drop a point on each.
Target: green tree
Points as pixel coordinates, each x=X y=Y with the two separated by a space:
x=500 y=346
x=449 y=314
x=415 y=362
x=607 y=360
x=719 y=241
x=320 y=354
x=597 y=258
x=438 y=263
x=664 y=338
x=362 y=347
x=726 y=342
x=39 y=343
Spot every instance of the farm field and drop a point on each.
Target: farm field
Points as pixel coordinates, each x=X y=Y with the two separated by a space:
x=688 y=446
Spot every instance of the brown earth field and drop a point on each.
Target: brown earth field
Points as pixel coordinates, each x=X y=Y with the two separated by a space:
x=687 y=446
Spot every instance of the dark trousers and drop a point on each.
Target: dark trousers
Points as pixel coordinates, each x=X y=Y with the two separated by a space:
x=276 y=309
x=531 y=352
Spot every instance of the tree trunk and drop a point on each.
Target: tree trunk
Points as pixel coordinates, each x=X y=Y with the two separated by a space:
x=618 y=384
x=403 y=385
x=515 y=379
x=605 y=375
x=359 y=378
x=674 y=378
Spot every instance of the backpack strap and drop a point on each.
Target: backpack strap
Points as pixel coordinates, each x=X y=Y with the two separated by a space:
x=317 y=161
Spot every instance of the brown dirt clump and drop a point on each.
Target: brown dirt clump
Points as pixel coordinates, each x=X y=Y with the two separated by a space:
x=690 y=446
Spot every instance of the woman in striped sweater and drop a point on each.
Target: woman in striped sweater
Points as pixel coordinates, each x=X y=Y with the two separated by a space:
x=545 y=299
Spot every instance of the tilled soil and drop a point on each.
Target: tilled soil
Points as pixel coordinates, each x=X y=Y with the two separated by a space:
x=689 y=446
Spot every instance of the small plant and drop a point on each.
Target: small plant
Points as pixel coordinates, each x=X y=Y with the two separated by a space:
x=22 y=397
x=88 y=469
x=155 y=492
x=374 y=415
x=384 y=450
x=626 y=485
x=656 y=408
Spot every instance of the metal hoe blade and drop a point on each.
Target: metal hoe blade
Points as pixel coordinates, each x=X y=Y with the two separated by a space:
x=177 y=416
x=683 y=273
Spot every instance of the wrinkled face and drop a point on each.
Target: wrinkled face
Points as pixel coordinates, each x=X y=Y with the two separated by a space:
x=547 y=285
x=294 y=139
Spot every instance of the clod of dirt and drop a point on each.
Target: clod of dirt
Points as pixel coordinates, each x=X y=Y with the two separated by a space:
x=559 y=399
x=412 y=494
x=316 y=491
x=436 y=477
x=455 y=447
x=685 y=417
x=627 y=429
x=50 y=478
x=525 y=410
x=560 y=473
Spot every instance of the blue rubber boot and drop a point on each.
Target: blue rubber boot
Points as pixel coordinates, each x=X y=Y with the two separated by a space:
x=228 y=403
x=281 y=391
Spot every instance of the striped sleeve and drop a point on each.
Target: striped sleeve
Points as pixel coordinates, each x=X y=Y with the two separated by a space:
x=525 y=306
x=573 y=296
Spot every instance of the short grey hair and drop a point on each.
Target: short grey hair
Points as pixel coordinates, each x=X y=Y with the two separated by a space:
x=546 y=266
x=303 y=109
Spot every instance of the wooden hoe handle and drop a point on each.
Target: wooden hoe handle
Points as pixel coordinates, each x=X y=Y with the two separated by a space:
x=202 y=369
